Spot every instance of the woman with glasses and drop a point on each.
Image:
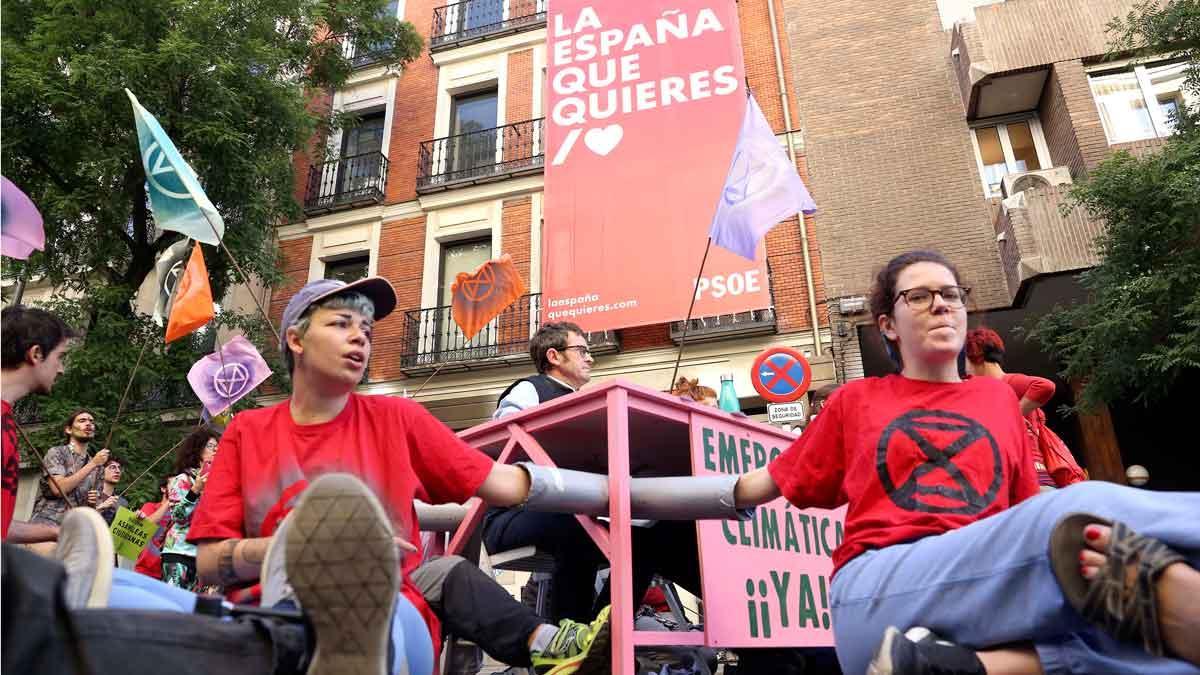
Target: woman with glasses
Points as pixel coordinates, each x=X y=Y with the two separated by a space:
x=946 y=537
x=192 y=463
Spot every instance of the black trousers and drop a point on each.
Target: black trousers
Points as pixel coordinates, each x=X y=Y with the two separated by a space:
x=471 y=605
x=40 y=635
x=667 y=549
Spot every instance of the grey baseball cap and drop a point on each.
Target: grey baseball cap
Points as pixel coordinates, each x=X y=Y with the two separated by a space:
x=378 y=289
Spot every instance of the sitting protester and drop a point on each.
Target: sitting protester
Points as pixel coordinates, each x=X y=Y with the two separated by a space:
x=952 y=562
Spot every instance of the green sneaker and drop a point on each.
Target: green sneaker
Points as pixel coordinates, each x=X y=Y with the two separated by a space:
x=582 y=649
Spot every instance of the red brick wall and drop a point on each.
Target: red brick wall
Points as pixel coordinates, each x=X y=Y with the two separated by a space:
x=646 y=337
x=401 y=261
x=518 y=102
x=889 y=155
x=318 y=103
x=412 y=110
x=515 y=221
x=294 y=256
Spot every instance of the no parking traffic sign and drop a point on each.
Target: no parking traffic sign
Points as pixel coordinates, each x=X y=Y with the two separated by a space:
x=781 y=375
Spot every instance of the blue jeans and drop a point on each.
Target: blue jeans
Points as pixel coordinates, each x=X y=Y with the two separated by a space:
x=412 y=646
x=990 y=583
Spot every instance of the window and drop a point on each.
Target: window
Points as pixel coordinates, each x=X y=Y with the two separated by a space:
x=470 y=114
x=1140 y=103
x=348 y=269
x=1009 y=147
x=458 y=257
x=361 y=168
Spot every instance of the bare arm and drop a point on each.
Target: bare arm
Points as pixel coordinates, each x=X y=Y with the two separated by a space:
x=21 y=532
x=161 y=511
x=754 y=488
x=227 y=562
x=60 y=484
x=506 y=485
x=1028 y=405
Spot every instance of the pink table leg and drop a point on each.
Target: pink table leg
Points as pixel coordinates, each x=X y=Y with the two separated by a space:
x=621 y=574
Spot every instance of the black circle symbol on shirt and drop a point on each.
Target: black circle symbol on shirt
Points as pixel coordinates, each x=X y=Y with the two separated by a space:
x=908 y=494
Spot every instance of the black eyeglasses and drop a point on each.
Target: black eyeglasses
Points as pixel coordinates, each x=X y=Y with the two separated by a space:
x=921 y=299
x=584 y=350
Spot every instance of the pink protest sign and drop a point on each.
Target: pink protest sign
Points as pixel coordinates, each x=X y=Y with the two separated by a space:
x=645 y=101
x=765 y=581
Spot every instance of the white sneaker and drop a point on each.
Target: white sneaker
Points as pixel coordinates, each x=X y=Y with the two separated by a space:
x=85 y=549
x=342 y=561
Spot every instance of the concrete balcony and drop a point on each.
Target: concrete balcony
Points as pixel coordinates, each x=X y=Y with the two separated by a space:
x=1002 y=58
x=1035 y=237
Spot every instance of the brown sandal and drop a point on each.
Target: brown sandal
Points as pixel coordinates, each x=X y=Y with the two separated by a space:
x=1122 y=604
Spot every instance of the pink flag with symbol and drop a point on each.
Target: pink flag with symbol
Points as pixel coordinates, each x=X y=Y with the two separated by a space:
x=226 y=376
x=20 y=223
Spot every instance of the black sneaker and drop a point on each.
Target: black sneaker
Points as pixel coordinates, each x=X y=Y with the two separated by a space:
x=920 y=652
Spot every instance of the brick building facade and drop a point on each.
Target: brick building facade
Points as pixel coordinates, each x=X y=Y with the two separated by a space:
x=445 y=170
x=921 y=118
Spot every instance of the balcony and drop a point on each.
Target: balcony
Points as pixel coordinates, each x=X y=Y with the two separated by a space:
x=345 y=183
x=726 y=326
x=432 y=339
x=474 y=20
x=481 y=156
x=1036 y=237
x=1002 y=58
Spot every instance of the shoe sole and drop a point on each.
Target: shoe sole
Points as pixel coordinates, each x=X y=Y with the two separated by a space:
x=343 y=564
x=102 y=574
x=882 y=663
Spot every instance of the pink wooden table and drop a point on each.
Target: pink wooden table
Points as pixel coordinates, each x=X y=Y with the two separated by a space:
x=764 y=582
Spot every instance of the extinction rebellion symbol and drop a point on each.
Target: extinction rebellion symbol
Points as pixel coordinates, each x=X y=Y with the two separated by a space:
x=230 y=380
x=949 y=487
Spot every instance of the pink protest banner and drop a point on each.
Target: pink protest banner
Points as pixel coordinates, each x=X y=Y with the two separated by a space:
x=773 y=589
x=645 y=101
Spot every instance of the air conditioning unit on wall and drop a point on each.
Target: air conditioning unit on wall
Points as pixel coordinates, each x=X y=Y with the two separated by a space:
x=1013 y=183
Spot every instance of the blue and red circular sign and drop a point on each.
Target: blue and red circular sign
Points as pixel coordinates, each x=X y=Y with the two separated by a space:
x=781 y=375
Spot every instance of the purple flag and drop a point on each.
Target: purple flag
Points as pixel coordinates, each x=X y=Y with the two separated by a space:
x=20 y=223
x=222 y=378
x=762 y=189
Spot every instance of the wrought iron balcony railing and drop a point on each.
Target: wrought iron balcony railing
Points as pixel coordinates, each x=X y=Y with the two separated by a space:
x=473 y=20
x=481 y=156
x=432 y=339
x=740 y=325
x=346 y=182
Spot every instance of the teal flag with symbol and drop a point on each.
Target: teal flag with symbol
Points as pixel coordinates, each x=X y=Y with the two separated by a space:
x=176 y=197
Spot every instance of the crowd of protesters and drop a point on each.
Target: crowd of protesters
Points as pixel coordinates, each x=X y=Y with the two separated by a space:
x=953 y=561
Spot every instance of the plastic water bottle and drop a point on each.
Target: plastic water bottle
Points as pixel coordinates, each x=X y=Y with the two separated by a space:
x=728 y=400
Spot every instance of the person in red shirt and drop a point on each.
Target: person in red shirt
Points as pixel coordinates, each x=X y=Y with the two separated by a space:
x=985 y=358
x=149 y=561
x=34 y=344
x=940 y=530
x=268 y=457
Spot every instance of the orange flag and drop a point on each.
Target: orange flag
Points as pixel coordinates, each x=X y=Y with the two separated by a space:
x=193 y=306
x=480 y=297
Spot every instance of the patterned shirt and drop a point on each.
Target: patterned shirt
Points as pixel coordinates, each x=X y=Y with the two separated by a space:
x=179 y=494
x=12 y=468
x=62 y=462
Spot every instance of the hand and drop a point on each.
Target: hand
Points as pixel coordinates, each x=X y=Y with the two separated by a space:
x=100 y=458
x=109 y=503
x=404 y=546
x=201 y=481
x=93 y=498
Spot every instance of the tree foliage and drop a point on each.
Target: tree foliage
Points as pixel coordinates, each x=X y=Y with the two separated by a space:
x=1139 y=329
x=237 y=86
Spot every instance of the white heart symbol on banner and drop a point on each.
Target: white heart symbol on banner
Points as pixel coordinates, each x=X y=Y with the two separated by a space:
x=602 y=141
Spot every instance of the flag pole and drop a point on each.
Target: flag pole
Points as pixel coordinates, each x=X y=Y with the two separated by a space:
x=42 y=460
x=242 y=273
x=687 y=322
x=155 y=463
x=133 y=373
x=431 y=375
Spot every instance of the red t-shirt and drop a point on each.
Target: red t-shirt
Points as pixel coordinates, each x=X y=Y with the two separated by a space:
x=149 y=561
x=393 y=444
x=1037 y=389
x=912 y=459
x=11 y=471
